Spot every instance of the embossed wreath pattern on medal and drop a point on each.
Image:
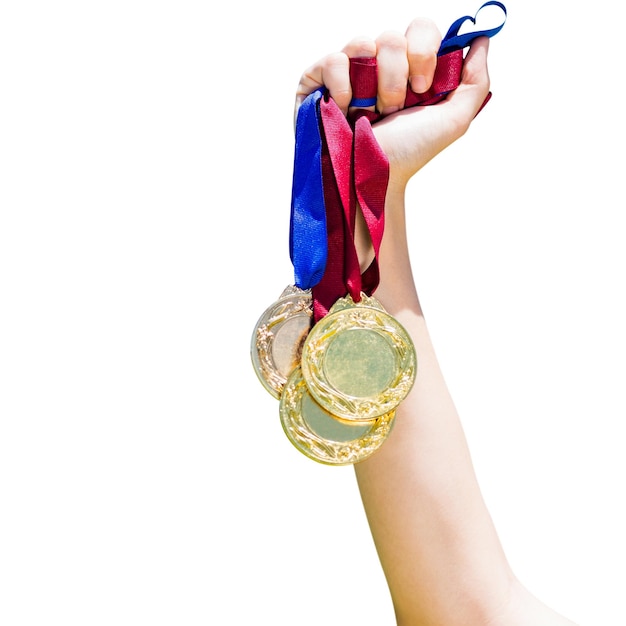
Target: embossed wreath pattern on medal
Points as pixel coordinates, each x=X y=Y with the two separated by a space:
x=358 y=361
x=278 y=336
x=322 y=436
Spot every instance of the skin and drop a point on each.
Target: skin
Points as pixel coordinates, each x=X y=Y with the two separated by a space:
x=439 y=550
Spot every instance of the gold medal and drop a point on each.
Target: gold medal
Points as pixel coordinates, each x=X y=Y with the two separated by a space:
x=322 y=436
x=278 y=336
x=358 y=361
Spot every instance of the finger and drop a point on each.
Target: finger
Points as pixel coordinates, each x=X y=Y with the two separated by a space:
x=474 y=86
x=423 y=41
x=360 y=47
x=393 y=71
x=331 y=72
x=475 y=70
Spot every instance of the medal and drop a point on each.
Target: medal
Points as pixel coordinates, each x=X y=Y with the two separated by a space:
x=278 y=336
x=338 y=363
x=323 y=437
x=358 y=361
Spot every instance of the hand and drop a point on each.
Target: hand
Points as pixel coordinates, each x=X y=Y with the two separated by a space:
x=410 y=137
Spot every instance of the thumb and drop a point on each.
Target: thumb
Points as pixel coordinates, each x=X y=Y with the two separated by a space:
x=469 y=97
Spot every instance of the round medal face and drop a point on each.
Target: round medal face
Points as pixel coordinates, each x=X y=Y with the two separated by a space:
x=322 y=436
x=276 y=345
x=358 y=361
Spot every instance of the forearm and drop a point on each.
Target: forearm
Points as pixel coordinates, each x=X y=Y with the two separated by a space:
x=436 y=541
x=419 y=490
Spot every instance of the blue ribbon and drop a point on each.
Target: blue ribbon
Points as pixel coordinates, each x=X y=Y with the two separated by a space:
x=453 y=41
x=361 y=103
x=308 y=247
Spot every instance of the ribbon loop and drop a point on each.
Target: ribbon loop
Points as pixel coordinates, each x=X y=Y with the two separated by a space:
x=453 y=41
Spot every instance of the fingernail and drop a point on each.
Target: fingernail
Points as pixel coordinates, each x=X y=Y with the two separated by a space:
x=418 y=84
x=390 y=110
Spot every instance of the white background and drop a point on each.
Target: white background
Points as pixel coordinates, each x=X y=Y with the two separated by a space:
x=145 y=168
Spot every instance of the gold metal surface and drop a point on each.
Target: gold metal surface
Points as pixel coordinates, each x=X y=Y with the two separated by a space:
x=358 y=361
x=322 y=436
x=276 y=345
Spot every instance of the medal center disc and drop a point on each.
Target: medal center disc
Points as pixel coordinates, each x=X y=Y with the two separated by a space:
x=287 y=346
x=360 y=363
x=327 y=426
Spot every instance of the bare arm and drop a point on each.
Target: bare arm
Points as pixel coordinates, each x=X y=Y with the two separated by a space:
x=437 y=545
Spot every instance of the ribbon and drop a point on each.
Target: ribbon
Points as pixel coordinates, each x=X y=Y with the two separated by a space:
x=453 y=41
x=371 y=175
x=340 y=204
x=338 y=163
x=307 y=231
x=355 y=173
x=447 y=72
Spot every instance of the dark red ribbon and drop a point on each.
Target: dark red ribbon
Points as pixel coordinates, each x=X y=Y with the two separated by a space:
x=355 y=173
x=339 y=199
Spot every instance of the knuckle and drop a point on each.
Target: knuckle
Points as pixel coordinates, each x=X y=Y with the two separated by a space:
x=335 y=61
x=423 y=25
x=360 y=47
x=391 y=39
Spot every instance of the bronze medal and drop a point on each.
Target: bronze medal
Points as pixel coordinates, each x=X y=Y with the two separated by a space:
x=278 y=336
x=358 y=361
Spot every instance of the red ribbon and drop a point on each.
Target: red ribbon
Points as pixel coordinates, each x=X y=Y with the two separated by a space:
x=339 y=199
x=355 y=173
